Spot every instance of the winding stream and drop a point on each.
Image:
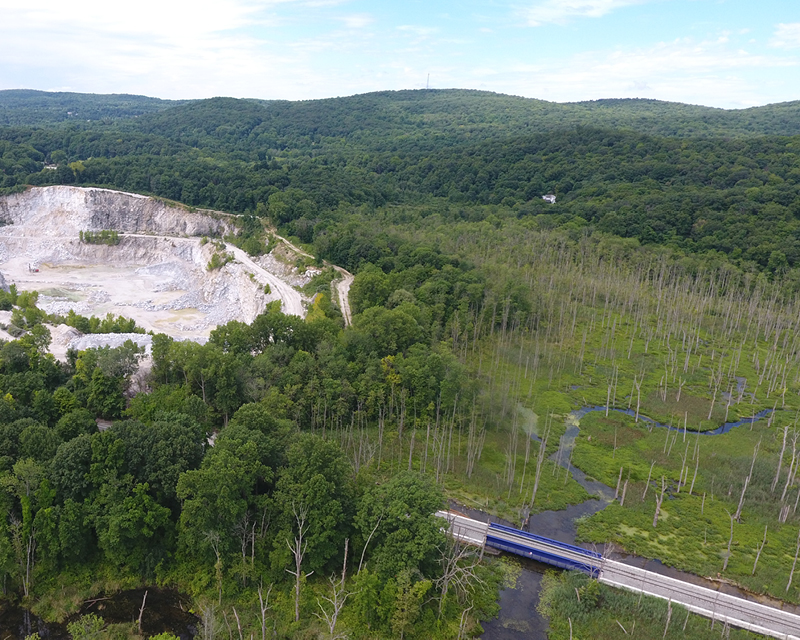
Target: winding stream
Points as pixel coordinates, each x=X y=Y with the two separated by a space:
x=167 y=611
x=518 y=617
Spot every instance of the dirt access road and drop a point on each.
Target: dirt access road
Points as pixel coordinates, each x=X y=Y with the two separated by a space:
x=291 y=301
x=342 y=285
x=343 y=289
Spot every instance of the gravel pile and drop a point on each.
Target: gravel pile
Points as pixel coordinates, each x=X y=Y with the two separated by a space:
x=99 y=340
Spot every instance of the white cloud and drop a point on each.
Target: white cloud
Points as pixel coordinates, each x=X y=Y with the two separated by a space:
x=169 y=48
x=163 y=18
x=417 y=30
x=561 y=11
x=787 y=36
x=358 y=20
x=706 y=72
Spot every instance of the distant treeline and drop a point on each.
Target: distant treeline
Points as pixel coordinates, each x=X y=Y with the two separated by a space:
x=307 y=166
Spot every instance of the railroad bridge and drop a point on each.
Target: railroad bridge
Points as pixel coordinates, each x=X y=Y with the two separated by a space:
x=713 y=604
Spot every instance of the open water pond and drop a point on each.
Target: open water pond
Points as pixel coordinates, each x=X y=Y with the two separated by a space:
x=166 y=611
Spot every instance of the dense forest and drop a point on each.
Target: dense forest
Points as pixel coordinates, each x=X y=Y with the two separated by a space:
x=730 y=188
x=663 y=282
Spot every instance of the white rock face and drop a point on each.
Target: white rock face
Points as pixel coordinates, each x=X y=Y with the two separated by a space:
x=65 y=210
x=156 y=275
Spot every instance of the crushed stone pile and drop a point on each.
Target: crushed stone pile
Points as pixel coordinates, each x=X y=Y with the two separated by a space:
x=113 y=340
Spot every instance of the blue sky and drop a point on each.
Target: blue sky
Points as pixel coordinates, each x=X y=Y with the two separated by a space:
x=723 y=53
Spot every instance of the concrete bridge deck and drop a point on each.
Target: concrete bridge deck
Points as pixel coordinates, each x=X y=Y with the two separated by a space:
x=722 y=607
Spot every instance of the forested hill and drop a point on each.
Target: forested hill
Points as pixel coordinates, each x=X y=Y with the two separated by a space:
x=667 y=273
x=405 y=120
x=398 y=116
x=27 y=107
x=697 y=179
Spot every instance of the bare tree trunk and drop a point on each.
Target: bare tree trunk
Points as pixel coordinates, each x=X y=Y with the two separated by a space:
x=794 y=564
x=647 y=484
x=638 y=384
x=696 y=464
x=730 y=541
x=539 y=462
x=780 y=460
x=411 y=449
x=263 y=602
x=141 y=611
x=738 y=513
x=338 y=597
x=791 y=466
x=212 y=537
x=366 y=544
x=298 y=549
x=659 y=500
x=238 y=623
x=760 y=549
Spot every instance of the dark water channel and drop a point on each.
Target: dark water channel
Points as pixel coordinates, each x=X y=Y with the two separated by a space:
x=518 y=617
x=165 y=611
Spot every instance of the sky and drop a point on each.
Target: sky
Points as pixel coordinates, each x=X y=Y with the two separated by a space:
x=720 y=53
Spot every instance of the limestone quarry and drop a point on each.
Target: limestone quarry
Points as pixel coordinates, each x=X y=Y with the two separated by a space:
x=157 y=274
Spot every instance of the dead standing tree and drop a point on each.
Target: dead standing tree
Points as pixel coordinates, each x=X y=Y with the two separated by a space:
x=338 y=597
x=760 y=549
x=659 y=500
x=738 y=513
x=730 y=542
x=298 y=549
x=539 y=462
x=794 y=564
x=263 y=603
x=458 y=565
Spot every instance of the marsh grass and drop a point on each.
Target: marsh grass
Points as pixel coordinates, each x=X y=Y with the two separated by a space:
x=603 y=613
x=693 y=531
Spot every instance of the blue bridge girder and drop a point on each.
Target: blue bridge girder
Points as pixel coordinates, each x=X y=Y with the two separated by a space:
x=553 y=552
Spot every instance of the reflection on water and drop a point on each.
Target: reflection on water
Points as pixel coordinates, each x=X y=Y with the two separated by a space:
x=518 y=617
x=165 y=611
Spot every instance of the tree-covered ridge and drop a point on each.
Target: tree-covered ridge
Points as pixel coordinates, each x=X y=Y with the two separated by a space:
x=27 y=107
x=151 y=498
x=404 y=120
x=738 y=197
x=393 y=120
